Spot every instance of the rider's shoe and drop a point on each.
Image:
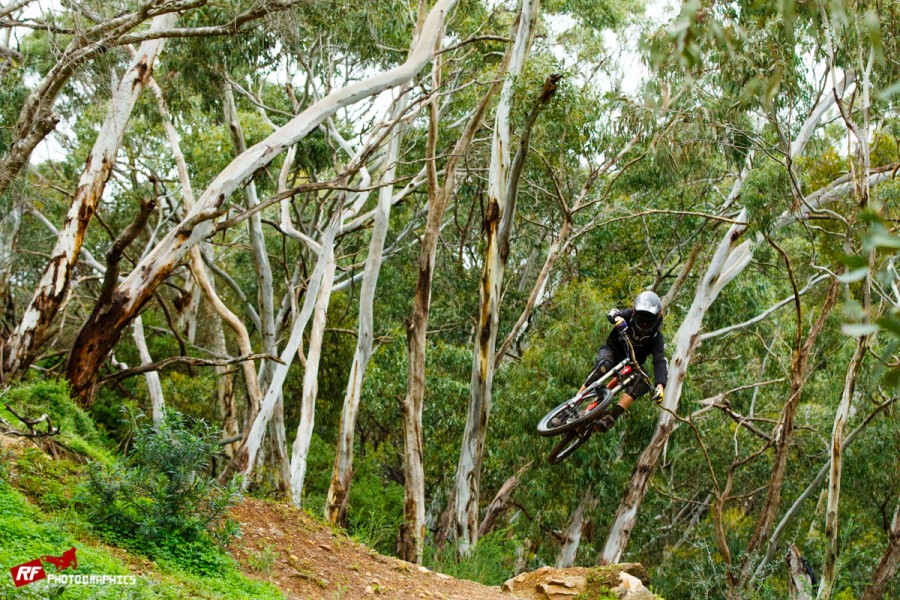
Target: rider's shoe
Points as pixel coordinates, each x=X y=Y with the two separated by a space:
x=604 y=423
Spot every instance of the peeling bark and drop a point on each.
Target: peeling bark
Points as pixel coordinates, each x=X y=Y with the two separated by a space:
x=501 y=502
x=887 y=568
x=198 y=224
x=54 y=284
x=498 y=218
x=410 y=543
x=841 y=417
x=799 y=582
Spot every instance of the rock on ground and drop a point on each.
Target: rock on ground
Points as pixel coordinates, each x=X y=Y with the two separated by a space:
x=625 y=581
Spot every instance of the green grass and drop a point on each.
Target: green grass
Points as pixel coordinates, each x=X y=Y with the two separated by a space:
x=77 y=431
x=28 y=531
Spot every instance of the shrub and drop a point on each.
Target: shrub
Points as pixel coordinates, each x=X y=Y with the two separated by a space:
x=161 y=501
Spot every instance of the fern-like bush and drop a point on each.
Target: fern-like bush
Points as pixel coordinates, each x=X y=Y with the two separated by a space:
x=160 y=500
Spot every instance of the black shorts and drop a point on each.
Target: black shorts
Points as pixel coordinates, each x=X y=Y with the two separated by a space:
x=636 y=388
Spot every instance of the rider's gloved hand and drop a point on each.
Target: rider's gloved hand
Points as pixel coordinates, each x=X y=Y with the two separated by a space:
x=621 y=324
x=611 y=315
x=660 y=394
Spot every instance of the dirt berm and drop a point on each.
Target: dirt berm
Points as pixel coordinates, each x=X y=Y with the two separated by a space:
x=309 y=560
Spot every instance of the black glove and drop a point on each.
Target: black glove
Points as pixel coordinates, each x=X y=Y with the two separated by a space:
x=611 y=315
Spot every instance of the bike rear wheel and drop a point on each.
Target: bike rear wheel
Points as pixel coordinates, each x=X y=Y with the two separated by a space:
x=570 y=442
x=566 y=417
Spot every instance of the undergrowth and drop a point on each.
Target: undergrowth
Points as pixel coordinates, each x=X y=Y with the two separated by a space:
x=28 y=531
x=77 y=431
x=161 y=501
x=489 y=562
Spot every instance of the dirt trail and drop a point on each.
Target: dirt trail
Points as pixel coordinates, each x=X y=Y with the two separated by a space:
x=313 y=561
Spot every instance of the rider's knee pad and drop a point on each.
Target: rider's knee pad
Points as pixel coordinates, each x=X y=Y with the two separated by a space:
x=604 y=365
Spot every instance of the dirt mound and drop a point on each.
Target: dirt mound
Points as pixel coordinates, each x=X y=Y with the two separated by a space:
x=307 y=559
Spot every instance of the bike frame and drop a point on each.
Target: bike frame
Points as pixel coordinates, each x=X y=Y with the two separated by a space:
x=635 y=370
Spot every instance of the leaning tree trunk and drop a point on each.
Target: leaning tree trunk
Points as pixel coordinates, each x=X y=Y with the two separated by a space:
x=841 y=417
x=728 y=261
x=280 y=467
x=887 y=568
x=54 y=284
x=784 y=435
x=246 y=458
x=300 y=452
x=498 y=210
x=104 y=327
x=339 y=489
x=569 y=549
x=220 y=312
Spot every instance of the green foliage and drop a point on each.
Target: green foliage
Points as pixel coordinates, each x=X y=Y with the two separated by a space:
x=263 y=561
x=376 y=507
x=51 y=396
x=489 y=562
x=28 y=532
x=160 y=500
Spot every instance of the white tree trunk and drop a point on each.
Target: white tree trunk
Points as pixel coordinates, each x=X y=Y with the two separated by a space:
x=799 y=583
x=253 y=438
x=841 y=417
x=569 y=549
x=198 y=223
x=339 y=489
x=266 y=295
x=54 y=283
x=468 y=470
x=154 y=387
x=728 y=261
x=300 y=451
x=219 y=312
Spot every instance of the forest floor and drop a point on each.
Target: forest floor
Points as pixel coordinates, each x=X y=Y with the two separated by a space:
x=282 y=552
x=306 y=559
x=309 y=559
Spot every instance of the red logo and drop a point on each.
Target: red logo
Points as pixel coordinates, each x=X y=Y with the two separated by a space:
x=63 y=562
x=34 y=570
x=28 y=573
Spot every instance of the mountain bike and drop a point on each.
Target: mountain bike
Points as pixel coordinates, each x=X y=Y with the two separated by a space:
x=575 y=417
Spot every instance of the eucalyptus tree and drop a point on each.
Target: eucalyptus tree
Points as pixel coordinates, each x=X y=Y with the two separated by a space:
x=498 y=222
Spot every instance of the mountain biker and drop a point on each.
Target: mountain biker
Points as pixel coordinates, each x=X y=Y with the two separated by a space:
x=642 y=324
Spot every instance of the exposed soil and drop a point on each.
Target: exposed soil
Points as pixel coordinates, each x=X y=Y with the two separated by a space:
x=311 y=560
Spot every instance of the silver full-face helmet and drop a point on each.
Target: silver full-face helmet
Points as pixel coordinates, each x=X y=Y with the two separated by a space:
x=647 y=313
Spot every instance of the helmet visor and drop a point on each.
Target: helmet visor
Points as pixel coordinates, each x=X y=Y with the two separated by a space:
x=644 y=320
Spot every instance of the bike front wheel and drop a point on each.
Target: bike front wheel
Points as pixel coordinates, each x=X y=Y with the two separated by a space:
x=567 y=417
